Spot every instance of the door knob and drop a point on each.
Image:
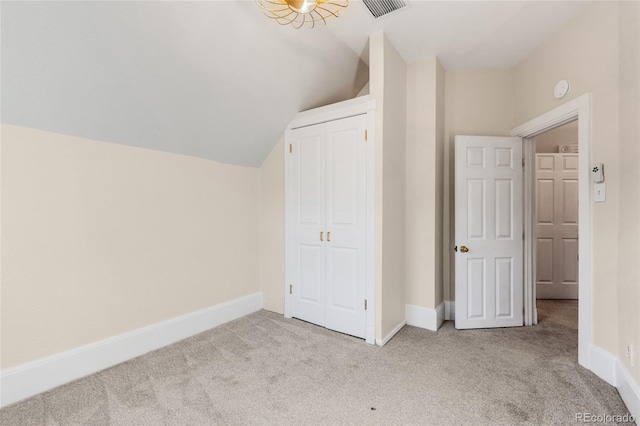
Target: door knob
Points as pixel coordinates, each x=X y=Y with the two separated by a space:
x=464 y=249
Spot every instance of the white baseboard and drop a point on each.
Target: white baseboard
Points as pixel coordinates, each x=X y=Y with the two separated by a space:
x=450 y=311
x=440 y=315
x=35 y=377
x=431 y=319
x=390 y=335
x=603 y=364
x=611 y=370
x=629 y=390
x=370 y=335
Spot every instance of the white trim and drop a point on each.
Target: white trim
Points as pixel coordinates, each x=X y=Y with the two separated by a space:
x=348 y=108
x=603 y=364
x=288 y=226
x=450 y=310
x=440 y=315
x=554 y=118
x=628 y=389
x=1 y=385
x=431 y=319
x=30 y=379
x=370 y=331
x=391 y=334
x=579 y=108
x=612 y=370
x=530 y=232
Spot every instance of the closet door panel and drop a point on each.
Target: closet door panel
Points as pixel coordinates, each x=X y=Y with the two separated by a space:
x=309 y=255
x=342 y=272
x=346 y=225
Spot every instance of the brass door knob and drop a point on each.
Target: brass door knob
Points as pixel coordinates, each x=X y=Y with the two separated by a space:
x=464 y=249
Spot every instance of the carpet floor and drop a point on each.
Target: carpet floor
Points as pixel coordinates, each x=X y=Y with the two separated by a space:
x=265 y=369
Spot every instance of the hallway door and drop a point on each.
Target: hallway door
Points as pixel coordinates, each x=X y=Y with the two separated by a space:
x=557 y=226
x=489 y=232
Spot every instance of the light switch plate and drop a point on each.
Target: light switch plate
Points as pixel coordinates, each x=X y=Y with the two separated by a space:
x=600 y=192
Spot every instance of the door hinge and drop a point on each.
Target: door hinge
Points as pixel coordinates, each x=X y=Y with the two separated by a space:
x=365 y=304
x=290 y=289
x=290 y=148
x=366 y=135
x=523 y=162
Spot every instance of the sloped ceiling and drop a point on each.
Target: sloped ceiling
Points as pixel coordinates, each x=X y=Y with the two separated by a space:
x=210 y=79
x=217 y=79
x=462 y=34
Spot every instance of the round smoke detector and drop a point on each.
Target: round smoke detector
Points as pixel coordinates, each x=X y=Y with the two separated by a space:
x=561 y=89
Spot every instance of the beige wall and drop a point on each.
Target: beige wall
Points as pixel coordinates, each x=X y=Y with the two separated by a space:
x=99 y=239
x=629 y=202
x=424 y=175
x=477 y=102
x=585 y=52
x=551 y=140
x=364 y=91
x=388 y=86
x=441 y=83
x=272 y=229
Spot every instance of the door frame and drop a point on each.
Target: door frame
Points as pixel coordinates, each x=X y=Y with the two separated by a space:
x=362 y=105
x=580 y=109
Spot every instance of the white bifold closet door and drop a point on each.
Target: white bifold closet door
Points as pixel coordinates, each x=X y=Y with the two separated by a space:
x=329 y=224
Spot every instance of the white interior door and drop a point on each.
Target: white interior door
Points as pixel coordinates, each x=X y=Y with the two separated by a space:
x=346 y=204
x=557 y=226
x=308 y=201
x=489 y=232
x=329 y=200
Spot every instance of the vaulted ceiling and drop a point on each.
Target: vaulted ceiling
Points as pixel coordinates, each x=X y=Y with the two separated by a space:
x=210 y=79
x=219 y=80
x=462 y=34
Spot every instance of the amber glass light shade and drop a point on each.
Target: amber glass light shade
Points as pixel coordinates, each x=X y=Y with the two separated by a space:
x=299 y=13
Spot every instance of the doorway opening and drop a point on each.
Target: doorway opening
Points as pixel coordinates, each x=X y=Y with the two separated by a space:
x=577 y=109
x=556 y=223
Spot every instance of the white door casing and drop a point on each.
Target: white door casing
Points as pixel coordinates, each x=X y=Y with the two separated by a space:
x=489 y=223
x=557 y=226
x=329 y=232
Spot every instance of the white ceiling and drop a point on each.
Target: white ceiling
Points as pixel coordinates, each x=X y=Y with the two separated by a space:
x=462 y=34
x=218 y=79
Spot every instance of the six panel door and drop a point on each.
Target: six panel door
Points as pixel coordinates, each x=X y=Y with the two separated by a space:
x=557 y=226
x=488 y=227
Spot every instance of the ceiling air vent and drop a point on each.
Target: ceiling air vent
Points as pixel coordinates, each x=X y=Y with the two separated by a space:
x=380 y=8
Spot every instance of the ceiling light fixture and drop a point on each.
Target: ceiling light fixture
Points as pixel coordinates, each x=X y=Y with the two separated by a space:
x=299 y=13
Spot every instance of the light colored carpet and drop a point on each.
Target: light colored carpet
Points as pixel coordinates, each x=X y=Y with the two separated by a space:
x=265 y=369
